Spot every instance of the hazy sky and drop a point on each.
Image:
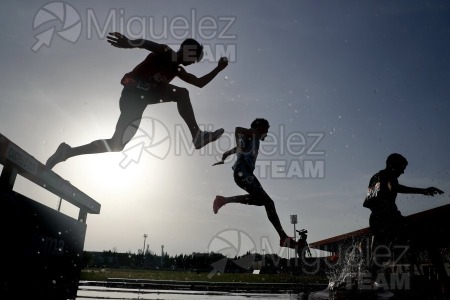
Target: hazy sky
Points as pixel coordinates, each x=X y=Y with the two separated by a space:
x=342 y=83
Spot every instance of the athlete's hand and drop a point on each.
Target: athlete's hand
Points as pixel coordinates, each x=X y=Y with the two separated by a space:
x=118 y=40
x=223 y=63
x=431 y=191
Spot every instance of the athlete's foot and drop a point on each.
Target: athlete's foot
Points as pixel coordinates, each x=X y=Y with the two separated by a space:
x=218 y=203
x=203 y=138
x=59 y=156
x=288 y=242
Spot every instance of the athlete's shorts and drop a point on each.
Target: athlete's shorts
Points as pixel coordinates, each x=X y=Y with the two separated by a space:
x=389 y=227
x=248 y=182
x=142 y=93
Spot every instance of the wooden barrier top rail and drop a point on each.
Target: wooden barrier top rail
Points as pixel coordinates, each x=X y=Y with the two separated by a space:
x=434 y=223
x=17 y=161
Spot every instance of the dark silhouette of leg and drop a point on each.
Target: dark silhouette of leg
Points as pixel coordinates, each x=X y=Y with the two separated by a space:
x=133 y=102
x=131 y=110
x=172 y=93
x=256 y=196
x=260 y=200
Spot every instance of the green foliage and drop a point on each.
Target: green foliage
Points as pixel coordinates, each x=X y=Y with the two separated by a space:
x=104 y=274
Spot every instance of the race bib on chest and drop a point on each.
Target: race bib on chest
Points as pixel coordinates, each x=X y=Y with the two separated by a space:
x=372 y=192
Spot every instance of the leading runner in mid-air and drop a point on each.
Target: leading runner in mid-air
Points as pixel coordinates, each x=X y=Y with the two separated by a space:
x=149 y=83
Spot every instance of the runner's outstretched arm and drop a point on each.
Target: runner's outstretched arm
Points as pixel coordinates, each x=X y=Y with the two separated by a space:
x=431 y=191
x=204 y=80
x=225 y=155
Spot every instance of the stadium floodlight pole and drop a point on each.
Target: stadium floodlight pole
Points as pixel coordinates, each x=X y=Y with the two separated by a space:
x=143 y=249
x=294 y=221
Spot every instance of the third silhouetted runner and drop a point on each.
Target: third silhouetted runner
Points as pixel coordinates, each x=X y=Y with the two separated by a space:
x=247 y=141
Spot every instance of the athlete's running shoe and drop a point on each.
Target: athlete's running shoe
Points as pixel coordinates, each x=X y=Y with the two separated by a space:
x=205 y=137
x=59 y=156
x=218 y=203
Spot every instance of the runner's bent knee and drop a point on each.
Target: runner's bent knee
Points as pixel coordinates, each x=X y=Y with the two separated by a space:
x=262 y=199
x=268 y=203
x=181 y=94
x=116 y=145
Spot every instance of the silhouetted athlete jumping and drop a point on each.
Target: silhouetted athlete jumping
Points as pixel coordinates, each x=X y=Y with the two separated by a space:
x=247 y=141
x=148 y=83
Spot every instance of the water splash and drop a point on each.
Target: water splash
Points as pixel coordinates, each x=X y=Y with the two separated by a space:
x=350 y=279
x=348 y=274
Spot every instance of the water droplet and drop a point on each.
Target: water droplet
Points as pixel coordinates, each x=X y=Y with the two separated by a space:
x=142 y=96
x=174 y=90
x=226 y=78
